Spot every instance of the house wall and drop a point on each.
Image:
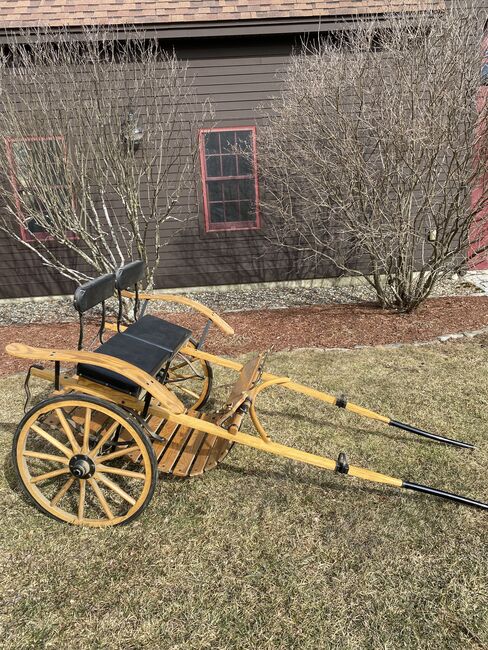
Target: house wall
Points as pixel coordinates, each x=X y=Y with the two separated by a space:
x=238 y=76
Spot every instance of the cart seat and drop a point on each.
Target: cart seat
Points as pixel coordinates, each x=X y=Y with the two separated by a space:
x=149 y=344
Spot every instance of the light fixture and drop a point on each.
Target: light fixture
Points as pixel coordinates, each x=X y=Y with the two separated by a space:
x=133 y=132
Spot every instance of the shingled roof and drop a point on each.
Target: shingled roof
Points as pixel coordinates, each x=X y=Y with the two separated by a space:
x=57 y=13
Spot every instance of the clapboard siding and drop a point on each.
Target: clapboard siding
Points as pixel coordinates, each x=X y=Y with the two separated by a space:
x=238 y=76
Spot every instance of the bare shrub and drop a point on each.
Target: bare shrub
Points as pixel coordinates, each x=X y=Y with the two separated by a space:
x=112 y=160
x=369 y=156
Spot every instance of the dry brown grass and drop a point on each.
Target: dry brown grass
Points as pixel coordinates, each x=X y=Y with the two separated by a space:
x=265 y=553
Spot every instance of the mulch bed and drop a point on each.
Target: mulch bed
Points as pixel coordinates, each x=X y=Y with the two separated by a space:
x=326 y=326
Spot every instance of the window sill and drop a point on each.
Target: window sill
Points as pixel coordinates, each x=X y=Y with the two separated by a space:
x=232 y=226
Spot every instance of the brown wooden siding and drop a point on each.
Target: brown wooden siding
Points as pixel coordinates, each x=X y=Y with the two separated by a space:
x=239 y=77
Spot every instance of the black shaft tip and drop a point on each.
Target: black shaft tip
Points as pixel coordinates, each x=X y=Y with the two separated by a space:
x=445 y=495
x=431 y=436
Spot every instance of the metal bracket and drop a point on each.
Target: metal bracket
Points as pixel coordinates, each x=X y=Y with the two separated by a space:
x=341 y=401
x=204 y=334
x=57 y=371
x=26 y=384
x=342 y=466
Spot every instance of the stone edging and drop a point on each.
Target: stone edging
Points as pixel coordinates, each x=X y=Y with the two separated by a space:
x=391 y=346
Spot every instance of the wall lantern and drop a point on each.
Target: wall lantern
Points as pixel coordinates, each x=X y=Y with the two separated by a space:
x=133 y=133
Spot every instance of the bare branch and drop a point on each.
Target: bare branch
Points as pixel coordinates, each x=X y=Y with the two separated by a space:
x=368 y=158
x=99 y=142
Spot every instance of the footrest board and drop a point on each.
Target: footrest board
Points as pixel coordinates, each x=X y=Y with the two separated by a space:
x=187 y=452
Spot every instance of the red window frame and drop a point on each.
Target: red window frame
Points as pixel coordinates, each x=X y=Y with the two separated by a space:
x=255 y=224
x=25 y=233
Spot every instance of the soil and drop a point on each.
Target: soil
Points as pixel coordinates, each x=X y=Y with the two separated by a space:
x=325 y=326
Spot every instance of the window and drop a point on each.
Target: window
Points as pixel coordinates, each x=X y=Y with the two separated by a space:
x=29 y=153
x=230 y=187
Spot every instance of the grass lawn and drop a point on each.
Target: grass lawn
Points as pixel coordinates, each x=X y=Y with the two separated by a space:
x=266 y=553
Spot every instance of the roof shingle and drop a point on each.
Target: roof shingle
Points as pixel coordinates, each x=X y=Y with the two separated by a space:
x=57 y=13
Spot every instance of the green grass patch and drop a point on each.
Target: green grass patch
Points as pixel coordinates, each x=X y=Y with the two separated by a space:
x=267 y=553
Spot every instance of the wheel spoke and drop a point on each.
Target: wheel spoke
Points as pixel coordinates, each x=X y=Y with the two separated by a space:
x=118 y=453
x=188 y=392
x=59 y=495
x=39 y=454
x=176 y=377
x=81 y=502
x=106 y=446
x=106 y=469
x=177 y=367
x=116 y=488
x=44 y=477
x=101 y=498
x=86 y=432
x=59 y=445
x=68 y=431
x=105 y=438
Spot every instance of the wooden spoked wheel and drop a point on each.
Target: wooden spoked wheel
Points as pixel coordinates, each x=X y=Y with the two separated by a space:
x=190 y=379
x=73 y=456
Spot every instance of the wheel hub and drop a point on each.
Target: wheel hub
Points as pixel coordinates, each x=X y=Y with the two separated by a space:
x=81 y=466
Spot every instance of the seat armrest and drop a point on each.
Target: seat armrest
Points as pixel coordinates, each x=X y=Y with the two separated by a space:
x=183 y=300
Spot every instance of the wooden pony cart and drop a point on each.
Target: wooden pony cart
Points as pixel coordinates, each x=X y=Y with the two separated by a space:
x=90 y=453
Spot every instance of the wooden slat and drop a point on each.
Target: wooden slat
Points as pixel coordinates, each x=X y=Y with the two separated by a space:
x=219 y=451
x=167 y=432
x=201 y=460
x=190 y=453
x=173 y=450
x=97 y=419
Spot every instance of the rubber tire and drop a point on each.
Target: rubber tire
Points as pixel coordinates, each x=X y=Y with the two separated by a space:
x=108 y=405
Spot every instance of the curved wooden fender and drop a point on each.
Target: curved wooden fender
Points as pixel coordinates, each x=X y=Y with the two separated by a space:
x=183 y=300
x=164 y=396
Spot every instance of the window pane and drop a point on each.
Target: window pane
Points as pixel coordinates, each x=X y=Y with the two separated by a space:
x=21 y=160
x=229 y=167
x=212 y=143
x=246 y=189
x=33 y=227
x=214 y=189
x=247 y=211
x=244 y=140
x=217 y=212
x=213 y=166
x=244 y=166
x=231 y=200
x=42 y=160
x=34 y=205
x=51 y=154
x=231 y=190
x=232 y=211
x=227 y=141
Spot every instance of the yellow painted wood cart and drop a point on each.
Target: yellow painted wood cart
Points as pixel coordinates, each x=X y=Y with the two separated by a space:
x=90 y=454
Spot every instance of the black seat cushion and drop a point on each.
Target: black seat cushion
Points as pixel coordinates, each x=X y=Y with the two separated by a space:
x=148 y=344
x=157 y=331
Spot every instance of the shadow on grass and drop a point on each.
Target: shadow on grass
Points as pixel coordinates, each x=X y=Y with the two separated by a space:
x=9 y=427
x=350 y=429
x=282 y=477
x=10 y=475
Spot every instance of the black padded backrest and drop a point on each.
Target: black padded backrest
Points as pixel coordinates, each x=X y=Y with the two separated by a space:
x=94 y=292
x=129 y=275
